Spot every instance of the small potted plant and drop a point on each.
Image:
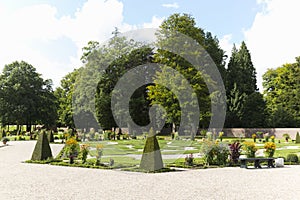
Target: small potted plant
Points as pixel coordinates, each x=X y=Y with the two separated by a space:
x=5 y=140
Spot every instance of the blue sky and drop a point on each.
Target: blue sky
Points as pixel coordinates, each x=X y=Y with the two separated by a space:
x=50 y=33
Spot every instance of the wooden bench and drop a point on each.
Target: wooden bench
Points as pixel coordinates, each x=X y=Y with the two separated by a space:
x=257 y=161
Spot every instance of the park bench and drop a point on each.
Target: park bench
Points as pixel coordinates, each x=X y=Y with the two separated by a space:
x=257 y=161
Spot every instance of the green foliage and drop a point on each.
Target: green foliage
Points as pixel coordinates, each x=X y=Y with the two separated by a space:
x=250 y=149
x=64 y=97
x=138 y=105
x=297 y=138
x=165 y=96
x=25 y=98
x=292 y=158
x=50 y=136
x=71 y=149
x=215 y=153
x=245 y=105
x=42 y=150
x=151 y=158
x=281 y=91
x=84 y=151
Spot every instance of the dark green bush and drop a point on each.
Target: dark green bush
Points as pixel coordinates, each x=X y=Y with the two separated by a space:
x=42 y=150
x=292 y=158
x=151 y=158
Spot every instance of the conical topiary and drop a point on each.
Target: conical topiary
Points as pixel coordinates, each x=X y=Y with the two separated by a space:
x=50 y=137
x=151 y=158
x=297 y=138
x=42 y=150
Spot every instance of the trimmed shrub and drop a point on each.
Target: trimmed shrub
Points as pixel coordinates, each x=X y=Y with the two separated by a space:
x=42 y=150
x=50 y=137
x=297 y=138
x=292 y=158
x=151 y=158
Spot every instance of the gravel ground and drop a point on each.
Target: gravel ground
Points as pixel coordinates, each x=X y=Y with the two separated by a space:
x=32 y=181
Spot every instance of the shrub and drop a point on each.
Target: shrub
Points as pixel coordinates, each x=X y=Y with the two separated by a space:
x=215 y=153
x=99 y=149
x=250 y=149
x=151 y=158
x=292 y=158
x=297 y=138
x=259 y=133
x=72 y=149
x=42 y=150
x=286 y=136
x=235 y=152
x=50 y=137
x=84 y=151
x=270 y=149
x=189 y=160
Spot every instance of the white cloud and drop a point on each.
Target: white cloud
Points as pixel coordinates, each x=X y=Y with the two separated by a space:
x=24 y=29
x=226 y=45
x=170 y=5
x=273 y=38
x=155 y=22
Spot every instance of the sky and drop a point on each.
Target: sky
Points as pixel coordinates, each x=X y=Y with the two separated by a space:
x=50 y=34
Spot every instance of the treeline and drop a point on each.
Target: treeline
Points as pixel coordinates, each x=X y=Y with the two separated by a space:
x=25 y=98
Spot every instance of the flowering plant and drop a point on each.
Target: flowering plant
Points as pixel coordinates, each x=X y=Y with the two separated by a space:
x=270 y=149
x=84 y=150
x=250 y=149
x=71 y=149
x=272 y=138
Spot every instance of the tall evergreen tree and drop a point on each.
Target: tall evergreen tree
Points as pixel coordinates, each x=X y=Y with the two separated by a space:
x=246 y=107
x=241 y=71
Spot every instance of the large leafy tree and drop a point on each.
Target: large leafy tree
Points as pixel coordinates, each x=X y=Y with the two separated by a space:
x=158 y=93
x=139 y=106
x=92 y=88
x=64 y=95
x=25 y=98
x=282 y=94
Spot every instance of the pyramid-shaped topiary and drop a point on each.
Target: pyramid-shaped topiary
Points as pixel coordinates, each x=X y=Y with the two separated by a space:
x=151 y=158
x=42 y=150
x=50 y=137
x=297 y=138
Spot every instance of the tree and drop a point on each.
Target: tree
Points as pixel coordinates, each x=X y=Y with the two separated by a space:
x=245 y=105
x=139 y=106
x=25 y=98
x=97 y=58
x=64 y=95
x=159 y=93
x=281 y=91
x=241 y=71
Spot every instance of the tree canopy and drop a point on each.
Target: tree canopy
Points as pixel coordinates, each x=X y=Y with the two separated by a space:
x=282 y=94
x=25 y=98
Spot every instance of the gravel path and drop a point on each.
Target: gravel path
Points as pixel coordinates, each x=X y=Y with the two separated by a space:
x=32 y=181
